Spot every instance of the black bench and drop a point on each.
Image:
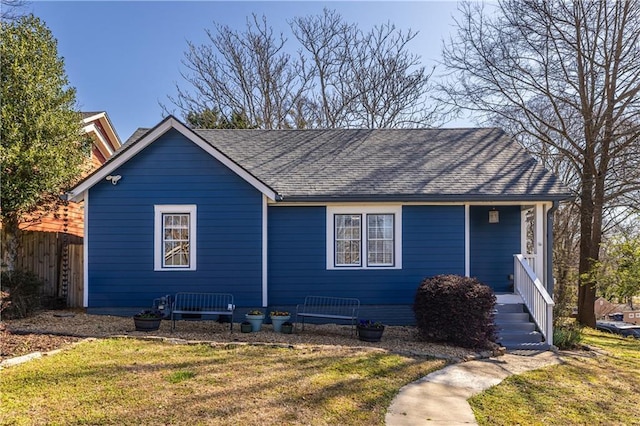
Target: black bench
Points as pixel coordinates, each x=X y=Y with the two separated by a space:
x=191 y=304
x=333 y=308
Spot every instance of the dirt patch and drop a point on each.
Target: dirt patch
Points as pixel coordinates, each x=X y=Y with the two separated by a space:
x=12 y=345
x=49 y=330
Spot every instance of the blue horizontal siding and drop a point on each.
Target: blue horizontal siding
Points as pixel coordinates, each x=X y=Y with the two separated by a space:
x=493 y=245
x=173 y=170
x=433 y=243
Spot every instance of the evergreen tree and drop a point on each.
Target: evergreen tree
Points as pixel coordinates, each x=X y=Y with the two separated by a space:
x=42 y=149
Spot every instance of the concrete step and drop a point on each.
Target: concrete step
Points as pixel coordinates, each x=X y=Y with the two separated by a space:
x=516 y=326
x=509 y=307
x=543 y=346
x=520 y=337
x=501 y=317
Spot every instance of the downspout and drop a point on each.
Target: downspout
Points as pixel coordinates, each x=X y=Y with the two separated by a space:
x=549 y=248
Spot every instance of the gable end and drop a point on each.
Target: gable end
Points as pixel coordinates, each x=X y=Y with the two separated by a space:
x=128 y=152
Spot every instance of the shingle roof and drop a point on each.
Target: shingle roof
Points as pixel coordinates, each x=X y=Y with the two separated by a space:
x=395 y=164
x=86 y=114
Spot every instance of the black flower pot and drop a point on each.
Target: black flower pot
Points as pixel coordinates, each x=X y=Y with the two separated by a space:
x=370 y=334
x=147 y=324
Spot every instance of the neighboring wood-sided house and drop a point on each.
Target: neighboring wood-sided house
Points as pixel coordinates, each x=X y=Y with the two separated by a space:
x=51 y=241
x=274 y=215
x=69 y=219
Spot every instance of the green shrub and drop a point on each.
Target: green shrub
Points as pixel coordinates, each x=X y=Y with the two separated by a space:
x=21 y=292
x=456 y=310
x=567 y=336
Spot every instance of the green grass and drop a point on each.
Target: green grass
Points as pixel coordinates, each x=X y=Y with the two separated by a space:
x=131 y=382
x=587 y=389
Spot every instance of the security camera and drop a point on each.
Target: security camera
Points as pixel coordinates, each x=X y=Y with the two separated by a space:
x=114 y=179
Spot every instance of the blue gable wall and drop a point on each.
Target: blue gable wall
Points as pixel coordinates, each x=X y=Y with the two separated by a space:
x=433 y=243
x=493 y=245
x=173 y=170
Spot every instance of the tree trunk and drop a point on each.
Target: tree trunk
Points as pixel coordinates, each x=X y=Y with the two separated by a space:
x=586 y=284
x=10 y=243
x=586 y=291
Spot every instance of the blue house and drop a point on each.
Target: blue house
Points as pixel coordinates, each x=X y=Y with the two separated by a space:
x=272 y=216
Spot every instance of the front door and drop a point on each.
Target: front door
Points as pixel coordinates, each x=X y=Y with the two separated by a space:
x=494 y=234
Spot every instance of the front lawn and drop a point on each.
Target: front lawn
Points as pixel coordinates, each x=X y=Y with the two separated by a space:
x=587 y=389
x=127 y=381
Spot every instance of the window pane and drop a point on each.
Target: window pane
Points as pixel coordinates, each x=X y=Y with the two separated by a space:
x=176 y=240
x=347 y=239
x=380 y=240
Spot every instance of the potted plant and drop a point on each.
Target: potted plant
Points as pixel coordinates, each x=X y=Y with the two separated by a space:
x=287 y=327
x=278 y=318
x=245 y=327
x=147 y=320
x=255 y=317
x=370 y=331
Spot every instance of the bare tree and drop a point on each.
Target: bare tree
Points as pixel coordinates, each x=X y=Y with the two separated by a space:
x=364 y=79
x=567 y=76
x=342 y=77
x=243 y=71
x=328 y=41
x=11 y=10
x=390 y=82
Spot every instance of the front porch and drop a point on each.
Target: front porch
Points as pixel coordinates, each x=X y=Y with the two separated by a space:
x=510 y=249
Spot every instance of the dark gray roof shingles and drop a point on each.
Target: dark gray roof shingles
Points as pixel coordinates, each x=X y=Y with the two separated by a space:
x=399 y=164
x=87 y=114
x=403 y=163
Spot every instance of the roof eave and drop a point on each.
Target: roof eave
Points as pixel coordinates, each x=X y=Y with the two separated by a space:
x=435 y=198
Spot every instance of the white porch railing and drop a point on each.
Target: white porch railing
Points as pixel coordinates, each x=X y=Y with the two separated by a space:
x=531 y=260
x=535 y=296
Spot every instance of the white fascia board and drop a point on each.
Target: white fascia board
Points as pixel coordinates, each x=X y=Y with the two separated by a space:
x=85 y=253
x=154 y=134
x=404 y=203
x=106 y=125
x=467 y=241
x=99 y=141
x=93 y=117
x=111 y=132
x=265 y=257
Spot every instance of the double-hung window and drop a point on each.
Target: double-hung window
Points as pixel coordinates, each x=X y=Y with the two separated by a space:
x=175 y=238
x=348 y=239
x=362 y=238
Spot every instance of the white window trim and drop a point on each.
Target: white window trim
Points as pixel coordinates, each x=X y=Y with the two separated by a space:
x=161 y=209
x=395 y=210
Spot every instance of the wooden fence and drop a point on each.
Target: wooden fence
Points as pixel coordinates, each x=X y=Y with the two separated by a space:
x=75 y=291
x=43 y=254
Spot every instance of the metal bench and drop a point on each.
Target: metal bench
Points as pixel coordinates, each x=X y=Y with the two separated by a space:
x=192 y=304
x=333 y=308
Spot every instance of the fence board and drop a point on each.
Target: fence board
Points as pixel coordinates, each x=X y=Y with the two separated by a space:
x=41 y=254
x=75 y=292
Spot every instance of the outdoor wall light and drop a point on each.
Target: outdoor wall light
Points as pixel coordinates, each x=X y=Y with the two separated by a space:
x=114 y=179
x=494 y=216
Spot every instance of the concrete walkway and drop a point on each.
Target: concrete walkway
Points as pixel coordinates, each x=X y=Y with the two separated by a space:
x=441 y=397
